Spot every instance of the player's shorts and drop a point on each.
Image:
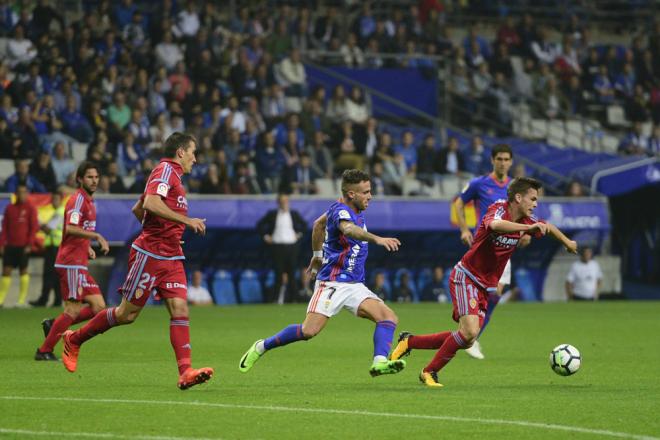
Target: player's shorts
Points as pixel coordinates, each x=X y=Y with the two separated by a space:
x=506 y=275
x=330 y=297
x=147 y=274
x=15 y=256
x=467 y=297
x=76 y=283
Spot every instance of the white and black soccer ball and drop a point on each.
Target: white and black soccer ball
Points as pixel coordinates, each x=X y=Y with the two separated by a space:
x=565 y=360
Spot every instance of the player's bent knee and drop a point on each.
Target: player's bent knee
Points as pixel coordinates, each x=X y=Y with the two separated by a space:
x=310 y=332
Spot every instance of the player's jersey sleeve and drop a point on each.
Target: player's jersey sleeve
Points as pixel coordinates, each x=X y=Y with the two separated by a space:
x=342 y=213
x=74 y=213
x=469 y=192
x=495 y=212
x=160 y=181
x=531 y=221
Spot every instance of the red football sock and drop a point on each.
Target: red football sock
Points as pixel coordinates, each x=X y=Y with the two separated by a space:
x=60 y=325
x=180 y=339
x=447 y=352
x=85 y=314
x=433 y=340
x=102 y=321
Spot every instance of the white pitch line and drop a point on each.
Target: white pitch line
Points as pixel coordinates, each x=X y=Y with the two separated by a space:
x=520 y=423
x=66 y=434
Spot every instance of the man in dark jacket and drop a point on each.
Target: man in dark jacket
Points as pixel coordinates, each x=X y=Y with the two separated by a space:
x=281 y=230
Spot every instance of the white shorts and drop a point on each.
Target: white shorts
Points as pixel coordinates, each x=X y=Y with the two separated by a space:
x=506 y=275
x=330 y=297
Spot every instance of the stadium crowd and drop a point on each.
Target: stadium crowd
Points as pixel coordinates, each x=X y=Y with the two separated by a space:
x=127 y=74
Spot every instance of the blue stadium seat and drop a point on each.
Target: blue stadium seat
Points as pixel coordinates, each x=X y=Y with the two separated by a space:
x=249 y=287
x=224 y=292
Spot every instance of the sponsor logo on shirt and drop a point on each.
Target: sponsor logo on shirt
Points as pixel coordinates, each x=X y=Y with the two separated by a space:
x=182 y=202
x=89 y=225
x=175 y=286
x=504 y=241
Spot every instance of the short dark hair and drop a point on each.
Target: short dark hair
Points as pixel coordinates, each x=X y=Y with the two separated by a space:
x=352 y=177
x=520 y=185
x=177 y=140
x=83 y=167
x=501 y=148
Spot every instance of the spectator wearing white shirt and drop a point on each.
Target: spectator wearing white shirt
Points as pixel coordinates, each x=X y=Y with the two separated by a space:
x=168 y=53
x=585 y=278
x=187 y=22
x=198 y=295
x=20 y=50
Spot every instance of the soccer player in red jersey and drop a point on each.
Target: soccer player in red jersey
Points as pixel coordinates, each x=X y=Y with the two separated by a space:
x=82 y=296
x=156 y=262
x=478 y=272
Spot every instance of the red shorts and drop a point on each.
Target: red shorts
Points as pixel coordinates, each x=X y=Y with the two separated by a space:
x=147 y=274
x=468 y=297
x=76 y=283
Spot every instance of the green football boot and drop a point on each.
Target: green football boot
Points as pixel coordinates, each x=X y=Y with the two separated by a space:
x=249 y=358
x=387 y=367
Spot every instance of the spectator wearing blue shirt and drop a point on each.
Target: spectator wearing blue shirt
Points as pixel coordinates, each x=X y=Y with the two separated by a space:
x=270 y=164
x=75 y=124
x=22 y=177
x=408 y=151
x=476 y=161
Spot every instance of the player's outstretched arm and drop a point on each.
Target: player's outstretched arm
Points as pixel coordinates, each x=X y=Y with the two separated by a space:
x=318 y=234
x=507 y=227
x=570 y=245
x=352 y=230
x=155 y=205
x=138 y=210
x=466 y=234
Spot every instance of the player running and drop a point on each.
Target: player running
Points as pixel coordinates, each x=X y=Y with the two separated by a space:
x=77 y=285
x=340 y=281
x=478 y=271
x=486 y=190
x=156 y=262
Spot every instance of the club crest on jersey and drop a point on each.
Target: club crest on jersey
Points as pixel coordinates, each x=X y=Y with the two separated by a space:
x=162 y=189
x=138 y=293
x=473 y=303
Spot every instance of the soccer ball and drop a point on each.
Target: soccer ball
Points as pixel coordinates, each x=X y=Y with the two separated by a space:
x=565 y=360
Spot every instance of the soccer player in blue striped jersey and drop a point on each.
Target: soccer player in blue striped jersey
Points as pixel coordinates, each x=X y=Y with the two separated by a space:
x=340 y=242
x=484 y=191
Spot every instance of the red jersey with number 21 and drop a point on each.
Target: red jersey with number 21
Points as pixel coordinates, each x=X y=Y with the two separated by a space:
x=159 y=236
x=486 y=259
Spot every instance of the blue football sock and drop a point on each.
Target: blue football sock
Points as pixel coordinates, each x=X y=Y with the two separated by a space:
x=383 y=338
x=286 y=336
x=493 y=299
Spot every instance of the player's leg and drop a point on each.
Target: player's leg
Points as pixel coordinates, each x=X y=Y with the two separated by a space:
x=319 y=310
x=373 y=308
x=7 y=268
x=493 y=299
x=24 y=277
x=180 y=340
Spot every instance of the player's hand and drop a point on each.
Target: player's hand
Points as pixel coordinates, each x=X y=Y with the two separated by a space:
x=391 y=244
x=572 y=247
x=524 y=241
x=314 y=266
x=540 y=227
x=467 y=238
x=105 y=248
x=268 y=239
x=198 y=225
x=91 y=253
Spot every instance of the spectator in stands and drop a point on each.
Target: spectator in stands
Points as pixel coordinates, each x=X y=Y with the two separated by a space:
x=476 y=161
x=585 y=278
x=273 y=106
x=42 y=169
x=378 y=186
x=320 y=156
x=119 y=114
x=357 y=109
x=281 y=230
x=292 y=76
x=63 y=165
x=450 y=159
x=404 y=292
x=270 y=163
x=129 y=155
x=198 y=295
x=575 y=189
x=654 y=142
x=435 y=290
x=187 y=22
x=20 y=50
x=351 y=53
x=500 y=105
x=394 y=173
x=543 y=49
x=325 y=28
x=638 y=107
x=575 y=97
x=635 y=142
x=379 y=286
x=337 y=110
x=603 y=86
x=21 y=176
x=75 y=124
x=425 y=161
x=408 y=150
x=552 y=103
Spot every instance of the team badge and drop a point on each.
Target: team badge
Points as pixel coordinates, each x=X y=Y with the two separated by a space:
x=138 y=293
x=473 y=303
x=75 y=218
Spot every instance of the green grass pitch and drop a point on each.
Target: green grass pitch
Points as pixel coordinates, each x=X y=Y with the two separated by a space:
x=125 y=386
